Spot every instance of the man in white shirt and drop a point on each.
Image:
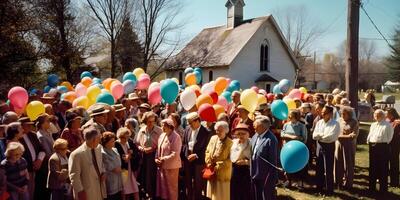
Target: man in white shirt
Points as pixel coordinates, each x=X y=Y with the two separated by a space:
x=326 y=132
x=379 y=137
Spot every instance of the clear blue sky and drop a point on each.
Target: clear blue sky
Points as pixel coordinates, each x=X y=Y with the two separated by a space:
x=329 y=13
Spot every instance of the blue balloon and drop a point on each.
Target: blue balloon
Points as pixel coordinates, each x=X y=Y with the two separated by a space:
x=129 y=86
x=198 y=76
x=53 y=80
x=169 y=90
x=294 y=156
x=284 y=85
x=46 y=89
x=33 y=91
x=279 y=109
x=197 y=69
x=233 y=86
x=188 y=70
x=276 y=89
x=86 y=74
x=106 y=98
x=62 y=89
x=129 y=76
x=227 y=96
x=96 y=80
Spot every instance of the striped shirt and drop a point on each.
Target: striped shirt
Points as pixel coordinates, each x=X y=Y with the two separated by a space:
x=16 y=173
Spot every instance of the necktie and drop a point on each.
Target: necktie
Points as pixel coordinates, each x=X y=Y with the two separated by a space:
x=95 y=162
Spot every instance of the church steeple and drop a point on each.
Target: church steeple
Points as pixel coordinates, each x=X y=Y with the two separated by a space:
x=235 y=13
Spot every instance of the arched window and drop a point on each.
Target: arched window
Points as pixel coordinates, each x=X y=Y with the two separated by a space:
x=264 y=56
x=180 y=78
x=210 y=75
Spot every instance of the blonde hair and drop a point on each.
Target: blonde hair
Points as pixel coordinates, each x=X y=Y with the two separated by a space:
x=13 y=146
x=123 y=131
x=59 y=143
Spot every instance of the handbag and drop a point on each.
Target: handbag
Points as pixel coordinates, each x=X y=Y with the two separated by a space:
x=209 y=172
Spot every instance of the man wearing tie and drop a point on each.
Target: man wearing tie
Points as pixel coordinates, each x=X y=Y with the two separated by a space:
x=264 y=175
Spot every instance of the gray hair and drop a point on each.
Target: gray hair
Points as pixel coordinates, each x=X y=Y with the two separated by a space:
x=380 y=112
x=13 y=146
x=90 y=133
x=264 y=120
x=123 y=131
x=222 y=124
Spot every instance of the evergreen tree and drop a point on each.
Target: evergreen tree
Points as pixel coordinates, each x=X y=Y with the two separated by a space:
x=393 y=61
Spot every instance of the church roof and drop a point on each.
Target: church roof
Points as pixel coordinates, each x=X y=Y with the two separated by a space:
x=218 y=46
x=265 y=78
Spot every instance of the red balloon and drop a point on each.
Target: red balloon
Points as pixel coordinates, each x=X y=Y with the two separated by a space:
x=214 y=96
x=270 y=97
x=207 y=113
x=18 y=97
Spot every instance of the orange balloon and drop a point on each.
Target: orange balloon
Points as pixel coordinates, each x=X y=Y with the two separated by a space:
x=70 y=96
x=68 y=85
x=107 y=83
x=220 y=84
x=202 y=99
x=190 y=79
x=218 y=109
x=86 y=81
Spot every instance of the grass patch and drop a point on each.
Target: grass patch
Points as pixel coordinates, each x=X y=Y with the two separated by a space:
x=378 y=96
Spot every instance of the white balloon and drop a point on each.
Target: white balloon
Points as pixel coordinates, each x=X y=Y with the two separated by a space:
x=208 y=87
x=188 y=99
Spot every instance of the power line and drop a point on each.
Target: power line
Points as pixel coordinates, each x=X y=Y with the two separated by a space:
x=368 y=38
x=376 y=27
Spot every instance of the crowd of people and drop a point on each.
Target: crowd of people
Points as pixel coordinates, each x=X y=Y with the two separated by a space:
x=132 y=150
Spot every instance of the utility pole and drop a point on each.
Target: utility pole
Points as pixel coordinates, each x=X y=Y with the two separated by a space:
x=353 y=18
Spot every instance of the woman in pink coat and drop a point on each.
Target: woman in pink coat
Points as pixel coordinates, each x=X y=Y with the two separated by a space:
x=168 y=161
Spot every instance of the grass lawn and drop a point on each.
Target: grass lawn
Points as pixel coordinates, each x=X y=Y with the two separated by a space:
x=360 y=186
x=378 y=96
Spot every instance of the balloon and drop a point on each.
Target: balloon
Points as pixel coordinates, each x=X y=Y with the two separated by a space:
x=262 y=91
x=143 y=82
x=96 y=80
x=33 y=92
x=69 y=96
x=270 y=97
x=295 y=94
x=214 y=96
x=276 y=89
x=68 y=85
x=190 y=79
x=234 y=85
x=86 y=81
x=218 y=109
x=81 y=101
x=255 y=88
x=188 y=98
x=228 y=96
x=106 y=98
x=196 y=89
x=169 y=91
x=220 y=85
x=62 y=89
x=18 y=97
x=92 y=93
x=197 y=69
x=129 y=86
x=207 y=113
x=34 y=109
x=279 y=109
x=249 y=100
x=202 y=99
x=188 y=70
x=107 y=83
x=53 y=80
x=129 y=76
x=137 y=72
x=154 y=84
x=117 y=90
x=46 y=89
x=53 y=92
x=208 y=87
x=294 y=156
x=86 y=74
x=303 y=90
x=198 y=76
x=80 y=90
x=261 y=99
x=290 y=103
x=154 y=95
x=284 y=85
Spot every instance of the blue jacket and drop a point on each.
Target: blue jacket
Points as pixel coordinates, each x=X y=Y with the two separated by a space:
x=267 y=149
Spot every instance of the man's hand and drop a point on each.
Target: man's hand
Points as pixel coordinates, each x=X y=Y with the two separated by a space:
x=158 y=161
x=192 y=157
x=37 y=164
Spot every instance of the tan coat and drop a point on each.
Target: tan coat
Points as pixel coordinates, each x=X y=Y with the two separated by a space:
x=223 y=164
x=56 y=178
x=83 y=174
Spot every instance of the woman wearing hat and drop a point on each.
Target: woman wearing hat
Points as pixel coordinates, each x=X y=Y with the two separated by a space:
x=240 y=157
x=168 y=161
x=72 y=132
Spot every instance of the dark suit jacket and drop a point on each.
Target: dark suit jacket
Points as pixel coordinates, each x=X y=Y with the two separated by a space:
x=199 y=148
x=27 y=154
x=268 y=148
x=135 y=160
x=61 y=121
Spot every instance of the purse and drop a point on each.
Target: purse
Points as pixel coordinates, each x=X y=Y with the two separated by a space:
x=209 y=172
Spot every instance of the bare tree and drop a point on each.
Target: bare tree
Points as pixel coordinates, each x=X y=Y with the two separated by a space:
x=159 y=30
x=367 y=49
x=111 y=16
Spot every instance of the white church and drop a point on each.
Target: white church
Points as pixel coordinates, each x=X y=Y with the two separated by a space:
x=252 y=51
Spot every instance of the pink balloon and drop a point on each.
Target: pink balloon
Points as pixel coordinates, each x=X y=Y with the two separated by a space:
x=295 y=94
x=223 y=102
x=18 y=97
x=255 y=88
x=117 y=90
x=154 y=95
x=228 y=80
x=143 y=82
x=80 y=90
x=262 y=91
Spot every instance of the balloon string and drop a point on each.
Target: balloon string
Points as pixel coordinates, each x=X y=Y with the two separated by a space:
x=277 y=168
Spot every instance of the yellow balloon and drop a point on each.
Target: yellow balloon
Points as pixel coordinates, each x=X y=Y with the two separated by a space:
x=303 y=90
x=92 y=92
x=81 y=101
x=190 y=79
x=220 y=84
x=218 y=109
x=291 y=104
x=249 y=100
x=34 y=109
x=138 y=71
x=261 y=99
